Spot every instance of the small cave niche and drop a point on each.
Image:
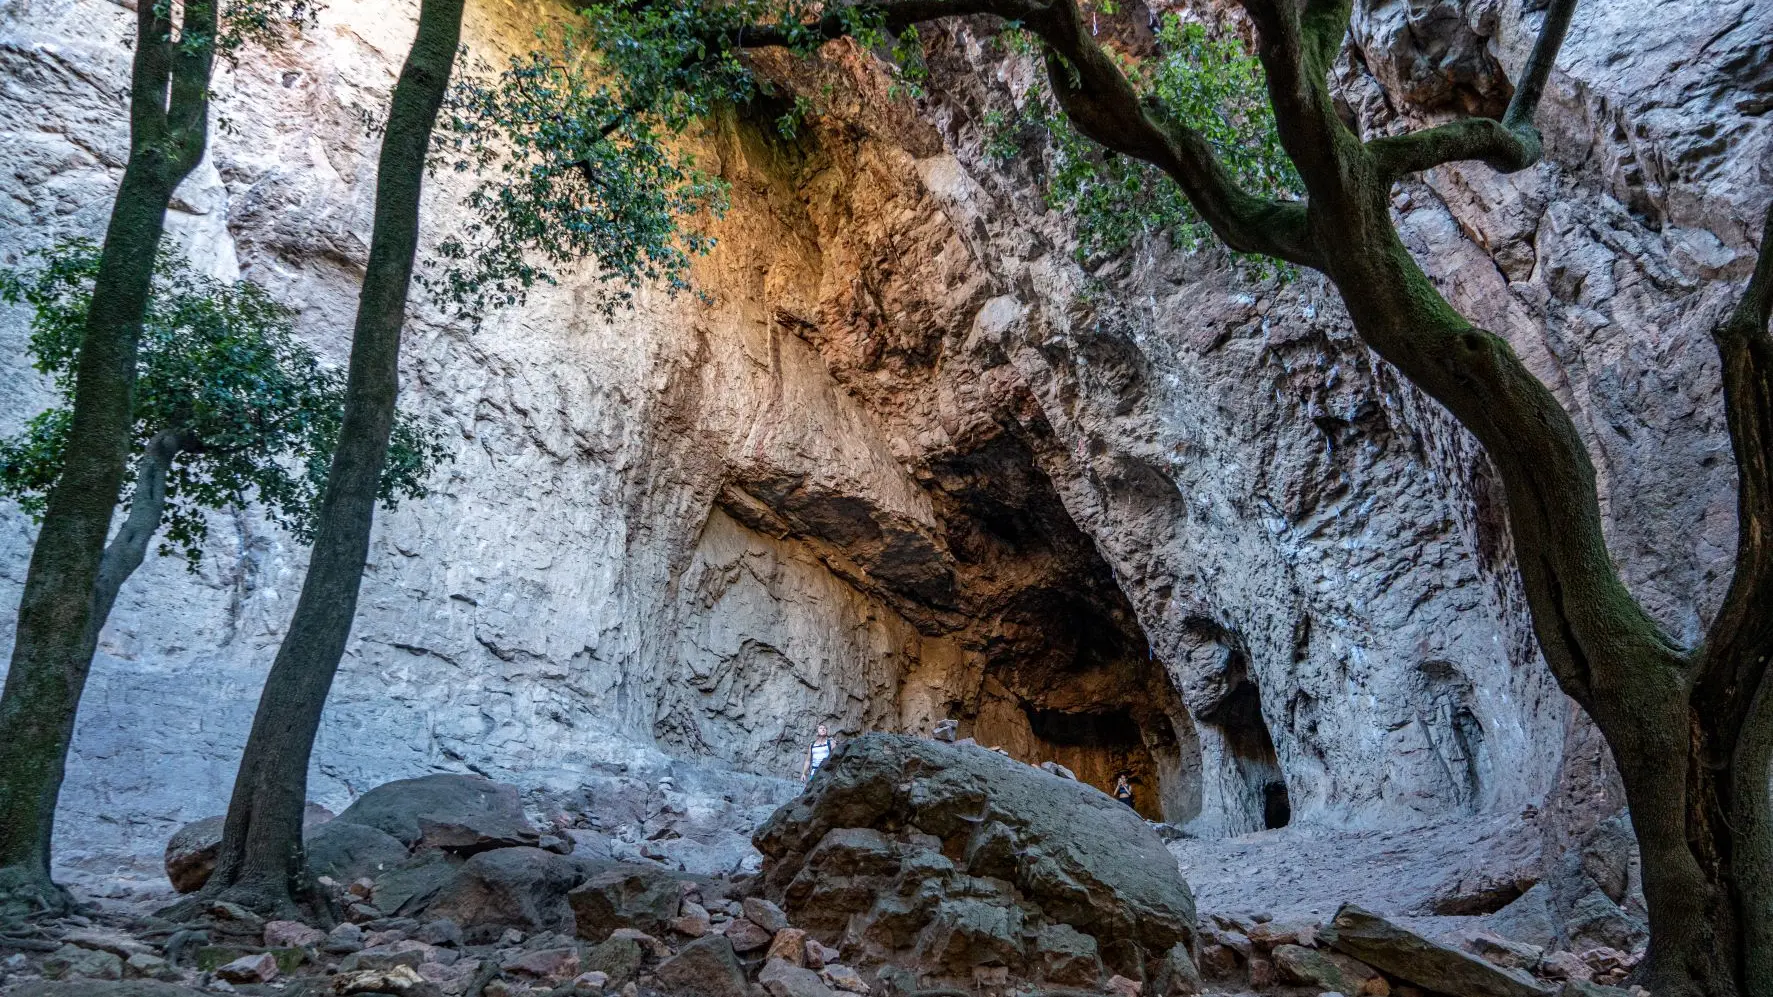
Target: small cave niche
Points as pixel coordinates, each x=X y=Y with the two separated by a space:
x=1098 y=747
x=1447 y=715
x=1259 y=787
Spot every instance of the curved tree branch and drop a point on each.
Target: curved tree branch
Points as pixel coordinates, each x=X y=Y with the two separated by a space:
x=1733 y=661
x=1509 y=145
x=126 y=550
x=1103 y=105
x=1296 y=47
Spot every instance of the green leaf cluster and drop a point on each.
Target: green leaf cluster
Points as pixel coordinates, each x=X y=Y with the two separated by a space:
x=576 y=143
x=1208 y=82
x=256 y=412
x=262 y=22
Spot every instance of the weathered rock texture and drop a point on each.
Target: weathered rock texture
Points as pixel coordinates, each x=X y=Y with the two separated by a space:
x=914 y=461
x=946 y=857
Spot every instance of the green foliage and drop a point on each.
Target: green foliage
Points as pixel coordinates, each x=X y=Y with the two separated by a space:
x=1210 y=84
x=576 y=143
x=256 y=411
x=262 y=22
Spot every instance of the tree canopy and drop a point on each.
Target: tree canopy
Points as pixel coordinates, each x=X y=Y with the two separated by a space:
x=255 y=411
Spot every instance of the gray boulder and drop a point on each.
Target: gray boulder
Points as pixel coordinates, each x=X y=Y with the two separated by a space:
x=781 y=978
x=618 y=958
x=522 y=888
x=409 y=887
x=706 y=967
x=1066 y=847
x=642 y=897
x=191 y=853
x=1430 y=965
x=460 y=813
x=347 y=851
x=1529 y=918
x=1066 y=956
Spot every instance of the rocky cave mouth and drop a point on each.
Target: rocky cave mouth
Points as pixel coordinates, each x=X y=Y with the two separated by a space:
x=1250 y=751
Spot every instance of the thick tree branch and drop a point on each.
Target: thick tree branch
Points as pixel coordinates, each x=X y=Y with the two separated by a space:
x=1295 y=48
x=1733 y=662
x=1103 y=105
x=126 y=550
x=151 y=72
x=1507 y=146
x=188 y=104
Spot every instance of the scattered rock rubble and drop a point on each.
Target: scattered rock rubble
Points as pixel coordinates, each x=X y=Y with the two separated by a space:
x=908 y=866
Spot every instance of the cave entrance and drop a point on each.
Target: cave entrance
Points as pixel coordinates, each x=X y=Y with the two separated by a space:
x=1257 y=786
x=1098 y=747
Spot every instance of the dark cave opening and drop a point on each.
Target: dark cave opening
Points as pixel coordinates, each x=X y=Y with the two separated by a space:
x=1277 y=809
x=1249 y=749
x=1112 y=729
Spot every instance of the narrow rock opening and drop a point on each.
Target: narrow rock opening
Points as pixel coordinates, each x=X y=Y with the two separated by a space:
x=1258 y=787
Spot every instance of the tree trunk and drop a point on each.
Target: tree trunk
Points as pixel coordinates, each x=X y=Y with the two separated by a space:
x=55 y=640
x=57 y=622
x=260 y=860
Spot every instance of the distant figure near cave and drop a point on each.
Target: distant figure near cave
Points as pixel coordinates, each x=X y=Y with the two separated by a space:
x=816 y=753
x=1123 y=790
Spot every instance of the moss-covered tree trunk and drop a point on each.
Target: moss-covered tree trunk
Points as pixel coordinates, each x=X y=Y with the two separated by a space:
x=260 y=861
x=57 y=626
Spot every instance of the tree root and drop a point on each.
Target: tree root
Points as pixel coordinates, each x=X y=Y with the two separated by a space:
x=27 y=892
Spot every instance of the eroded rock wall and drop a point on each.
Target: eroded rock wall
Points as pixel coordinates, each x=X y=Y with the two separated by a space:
x=913 y=460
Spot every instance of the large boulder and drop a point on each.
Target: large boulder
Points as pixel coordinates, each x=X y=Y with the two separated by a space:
x=522 y=888
x=706 y=967
x=459 y=813
x=952 y=854
x=409 y=887
x=642 y=897
x=1404 y=954
x=347 y=851
x=191 y=853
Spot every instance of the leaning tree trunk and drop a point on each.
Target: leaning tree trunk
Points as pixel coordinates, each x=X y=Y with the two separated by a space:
x=260 y=860
x=57 y=626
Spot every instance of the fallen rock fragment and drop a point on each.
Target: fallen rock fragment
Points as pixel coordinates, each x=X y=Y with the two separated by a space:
x=191 y=853
x=782 y=978
x=764 y=914
x=843 y=978
x=746 y=936
x=343 y=939
x=546 y=964
x=706 y=967
x=617 y=958
x=789 y=945
x=1307 y=967
x=88 y=964
x=645 y=898
x=1431 y=965
x=260 y=968
x=403 y=980
x=292 y=935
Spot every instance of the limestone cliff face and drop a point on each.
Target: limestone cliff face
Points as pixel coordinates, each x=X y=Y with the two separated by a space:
x=912 y=460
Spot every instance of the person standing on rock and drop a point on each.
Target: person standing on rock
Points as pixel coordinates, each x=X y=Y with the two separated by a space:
x=1123 y=790
x=816 y=753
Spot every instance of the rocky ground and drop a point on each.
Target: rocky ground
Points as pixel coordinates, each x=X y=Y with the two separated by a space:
x=910 y=866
